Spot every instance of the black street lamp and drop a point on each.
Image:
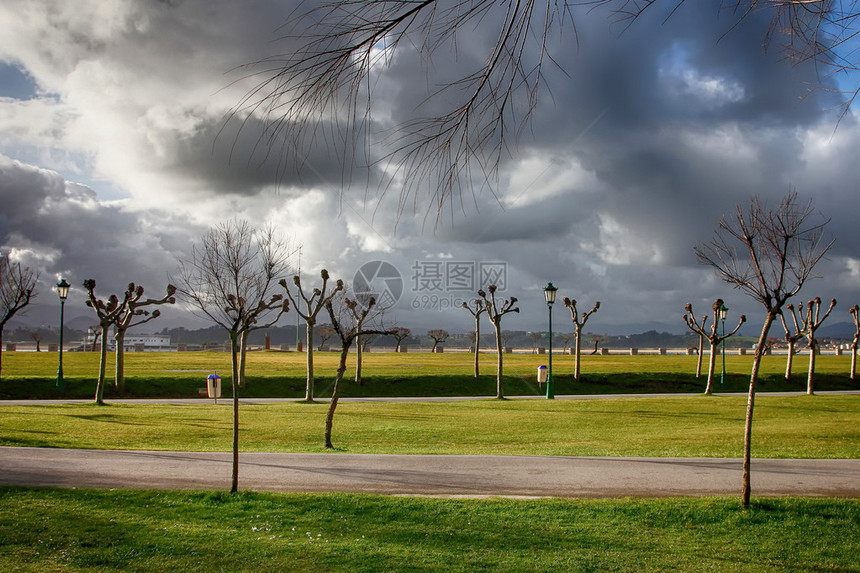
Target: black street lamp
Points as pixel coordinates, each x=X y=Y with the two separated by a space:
x=549 y=293
x=723 y=312
x=63 y=293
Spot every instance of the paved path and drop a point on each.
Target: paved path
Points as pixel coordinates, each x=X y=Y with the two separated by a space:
x=466 y=476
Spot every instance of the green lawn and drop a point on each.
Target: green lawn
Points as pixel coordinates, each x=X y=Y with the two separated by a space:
x=80 y=530
x=117 y=530
x=282 y=374
x=785 y=427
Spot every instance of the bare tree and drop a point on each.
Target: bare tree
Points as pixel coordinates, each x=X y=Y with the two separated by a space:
x=324 y=332
x=791 y=336
x=229 y=279
x=324 y=88
x=495 y=312
x=579 y=320
x=536 y=338
x=438 y=336
x=779 y=248
x=348 y=319
x=811 y=322
x=36 y=337
x=96 y=334
x=133 y=313
x=566 y=338
x=400 y=333
x=855 y=315
x=476 y=309
x=107 y=312
x=598 y=338
x=713 y=336
x=17 y=289
x=313 y=304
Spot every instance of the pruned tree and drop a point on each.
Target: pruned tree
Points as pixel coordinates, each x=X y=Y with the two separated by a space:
x=495 y=311
x=133 y=313
x=17 y=289
x=791 y=336
x=36 y=337
x=768 y=254
x=322 y=86
x=536 y=338
x=811 y=322
x=476 y=309
x=566 y=338
x=400 y=333
x=598 y=338
x=229 y=279
x=313 y=304
x=855 y=340
x=348 y=318
x=714 y=337
x=96 y=332
x=324 y=332
x=579 y=320
x=438 y=336
x=107 y=312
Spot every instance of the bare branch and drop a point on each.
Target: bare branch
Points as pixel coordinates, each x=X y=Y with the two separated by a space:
x=322 y=87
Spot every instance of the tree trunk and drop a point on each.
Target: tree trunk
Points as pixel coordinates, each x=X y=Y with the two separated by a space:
x=499 y=391
x=309 y=383
x=335 y=394
x=1 y=348
x=853 y=361
x=243 y=354
x=759 y=351
x=477 y=343
x=234 y=359
x=358 y=360
x=100 y=383
x=699 y=360
x=712 y=359
x=789 y=360
x=119 y=367
x=577 y=346
x=810 y=388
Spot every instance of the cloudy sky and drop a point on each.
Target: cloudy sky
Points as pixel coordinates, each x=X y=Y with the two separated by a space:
x=112 y=166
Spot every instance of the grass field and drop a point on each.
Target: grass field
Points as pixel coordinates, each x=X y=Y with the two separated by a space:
x=79 y=530
x=785 y=427
x=282 y=374
x=116 y=530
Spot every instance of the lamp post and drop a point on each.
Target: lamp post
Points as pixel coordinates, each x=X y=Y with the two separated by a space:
x=62 y=292
x=723 y=312
x=549 y=294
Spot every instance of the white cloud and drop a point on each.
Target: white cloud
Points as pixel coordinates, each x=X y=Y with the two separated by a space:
x=640 y=146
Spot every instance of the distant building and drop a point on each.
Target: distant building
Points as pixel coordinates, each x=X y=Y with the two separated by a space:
x=137 y=343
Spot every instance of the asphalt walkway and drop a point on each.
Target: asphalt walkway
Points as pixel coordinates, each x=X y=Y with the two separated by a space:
x=451 y=476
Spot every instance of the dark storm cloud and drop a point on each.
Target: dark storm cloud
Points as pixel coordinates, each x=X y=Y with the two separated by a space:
x=639 y=143
x=79 y=237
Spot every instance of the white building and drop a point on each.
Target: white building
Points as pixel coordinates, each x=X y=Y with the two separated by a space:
x=136 y=343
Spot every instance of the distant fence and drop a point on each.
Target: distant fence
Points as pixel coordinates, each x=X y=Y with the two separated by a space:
x=182 y=347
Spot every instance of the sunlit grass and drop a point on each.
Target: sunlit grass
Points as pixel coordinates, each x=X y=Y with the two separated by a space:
x=80 y=530
x=282 y=374
x=786 y=427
